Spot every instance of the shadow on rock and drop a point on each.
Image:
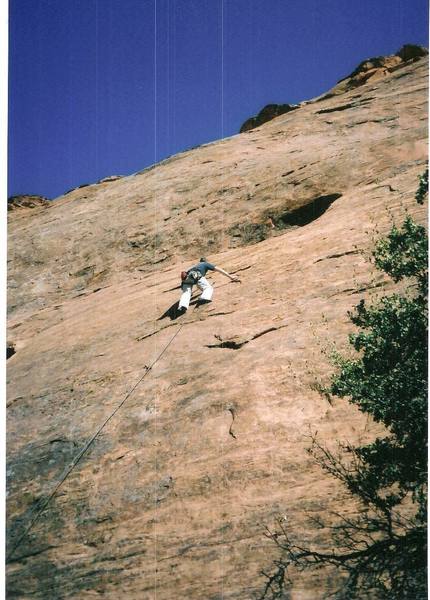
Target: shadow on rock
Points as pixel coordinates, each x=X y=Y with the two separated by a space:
x=172 y=312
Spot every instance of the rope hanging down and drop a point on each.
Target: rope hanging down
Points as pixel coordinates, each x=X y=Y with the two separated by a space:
x=78 y=457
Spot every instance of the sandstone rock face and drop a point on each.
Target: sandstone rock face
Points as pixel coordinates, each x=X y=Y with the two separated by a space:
x=269 y=112
x=172 y=497
x=377 y=68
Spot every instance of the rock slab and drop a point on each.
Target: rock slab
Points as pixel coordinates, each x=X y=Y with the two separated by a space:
x=172 y=498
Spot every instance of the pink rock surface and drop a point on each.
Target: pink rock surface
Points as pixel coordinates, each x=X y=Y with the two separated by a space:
x=172 y=499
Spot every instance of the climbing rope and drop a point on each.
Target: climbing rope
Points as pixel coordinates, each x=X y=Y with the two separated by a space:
x=84 y=450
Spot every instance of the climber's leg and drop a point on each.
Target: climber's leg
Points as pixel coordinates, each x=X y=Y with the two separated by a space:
x=184 y=301
x=207 y=289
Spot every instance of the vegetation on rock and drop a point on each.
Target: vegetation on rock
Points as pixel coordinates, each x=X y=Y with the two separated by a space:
x=382 y=551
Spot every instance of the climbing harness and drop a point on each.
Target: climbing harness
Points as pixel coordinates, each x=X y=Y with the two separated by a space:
x=191 y=277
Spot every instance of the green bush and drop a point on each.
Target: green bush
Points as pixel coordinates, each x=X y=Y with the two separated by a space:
x=382 y=552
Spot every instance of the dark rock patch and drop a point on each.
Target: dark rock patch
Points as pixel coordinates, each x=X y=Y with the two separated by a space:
x=26 y=201
x=89 y=270
x=269 y=112
x=244 y=234
x=236 y=342
x=40 y=460
x=306 y=214
x=231 y=344
x=248 y=233
x=410 y=52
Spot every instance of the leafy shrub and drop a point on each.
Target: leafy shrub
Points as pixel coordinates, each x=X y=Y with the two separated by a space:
x=382 y=552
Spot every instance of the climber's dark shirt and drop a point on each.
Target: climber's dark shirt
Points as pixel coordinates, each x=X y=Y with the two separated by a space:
x=203 y=267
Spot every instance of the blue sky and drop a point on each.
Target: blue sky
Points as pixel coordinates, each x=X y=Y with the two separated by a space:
x=107 y=87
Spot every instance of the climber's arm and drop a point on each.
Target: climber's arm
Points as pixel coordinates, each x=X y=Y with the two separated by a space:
x=232 y=277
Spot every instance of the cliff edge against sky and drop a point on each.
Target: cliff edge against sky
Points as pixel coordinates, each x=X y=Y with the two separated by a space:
x=173 y=496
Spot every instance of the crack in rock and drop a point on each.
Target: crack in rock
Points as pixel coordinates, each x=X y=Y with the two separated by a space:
x=217 y=314
x=31 y=554
x=335 y=108
x=243 y=269
x=233 y=414
x=148 y=335
x=352 y=291
x=341 y=107
x=10 y=402
x=368 y=287
x=236 y=342
x=338 y=255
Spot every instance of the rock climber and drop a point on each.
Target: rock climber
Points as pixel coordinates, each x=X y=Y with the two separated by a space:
x=196 y=276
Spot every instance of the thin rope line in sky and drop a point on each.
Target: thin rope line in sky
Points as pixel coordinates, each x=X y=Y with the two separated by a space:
x=97 y=87
x=154 y=296
x=223 y=225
